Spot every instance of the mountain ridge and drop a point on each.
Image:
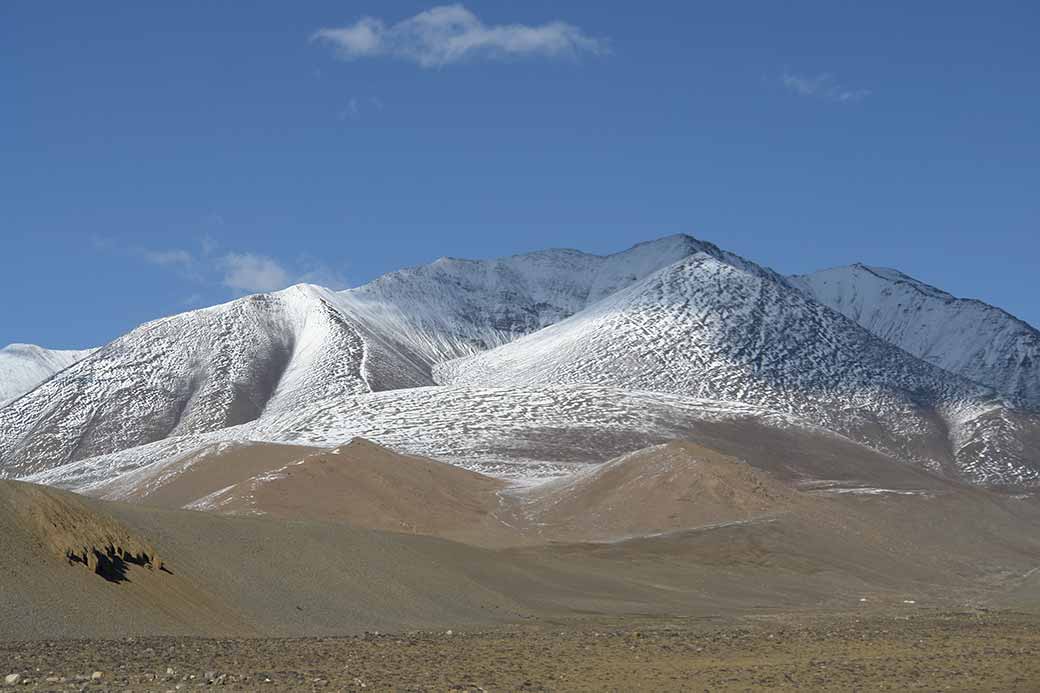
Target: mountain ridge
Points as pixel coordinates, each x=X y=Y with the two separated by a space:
x=270 y=362
x=965 y=336
x=707 y=329
x=24 y=366
x=456 y=307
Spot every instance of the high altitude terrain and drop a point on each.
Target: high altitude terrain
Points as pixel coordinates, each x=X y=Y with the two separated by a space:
x=915 y=649
x=24 y=366
x=295 y=542
x=528 y=365
x=963 y=336
x=669 y=459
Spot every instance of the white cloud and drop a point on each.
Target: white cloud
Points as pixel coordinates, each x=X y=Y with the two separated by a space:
x=451 y=33
x=847 y=95
x=168 y=257
x=358 y=107
x=250 y=273
x=212 y=267
x=351 y=112
x=823 y=86
x=183 y=262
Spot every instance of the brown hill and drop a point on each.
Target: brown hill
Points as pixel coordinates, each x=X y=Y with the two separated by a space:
x=189 y=479
x=225 y=575
x=70 y=567
x=367 y=485
x=664 y=488
x=361 y=483
x=232 y=576
x=62 y=523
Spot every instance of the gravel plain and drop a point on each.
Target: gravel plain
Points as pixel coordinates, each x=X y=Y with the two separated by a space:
x=897 y=651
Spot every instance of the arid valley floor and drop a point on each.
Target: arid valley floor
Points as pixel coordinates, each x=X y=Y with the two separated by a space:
x=910 y=649
x=673 y=568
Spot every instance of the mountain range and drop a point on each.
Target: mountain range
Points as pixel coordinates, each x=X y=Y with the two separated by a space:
x=24 y=366
x=964 y=336
x=530 y=365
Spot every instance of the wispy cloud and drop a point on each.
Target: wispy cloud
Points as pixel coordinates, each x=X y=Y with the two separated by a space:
x=212 y=268
x=352 y=111
x=179 y=260
x=449 y=34
x=357 y=107
x=168 y=258
x=823 y=86
x=251 y=273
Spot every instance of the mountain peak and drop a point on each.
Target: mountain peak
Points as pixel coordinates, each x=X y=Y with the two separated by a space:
x=24 y=366
x=677 y=319
x=964 y=336
x=456 y=307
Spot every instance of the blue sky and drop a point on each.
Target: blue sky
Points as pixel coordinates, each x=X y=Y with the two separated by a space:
x=161 y=156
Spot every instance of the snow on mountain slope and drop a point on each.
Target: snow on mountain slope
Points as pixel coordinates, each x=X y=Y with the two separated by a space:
x=523 y=433
x=711 y=330
x=24 y=366
x=222 y=366
x=964 y=336
x=454 y=308
x=196 y=372
x=677 y=316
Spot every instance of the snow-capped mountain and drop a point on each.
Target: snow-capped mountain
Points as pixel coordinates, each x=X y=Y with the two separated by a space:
x=560 y=350
x=217 y=367
x=964 y=336
x=24 y=366
x=520 y=433
x=708 y=329
x=452 y=307
x=197 y=372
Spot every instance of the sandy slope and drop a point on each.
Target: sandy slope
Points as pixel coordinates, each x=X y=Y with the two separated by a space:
x=660 y=489
x=360 y=483
x=715 y=536
x=44 y=593
x=740 y=471
x=237 y=576
x=250 y=576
